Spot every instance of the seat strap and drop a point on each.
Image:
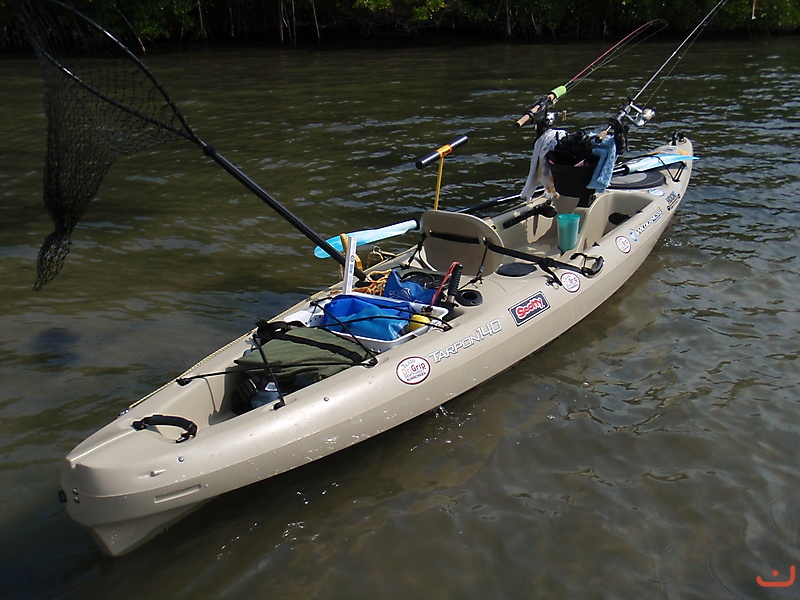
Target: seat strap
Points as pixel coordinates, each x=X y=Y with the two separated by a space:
x=453 y=237
x=547 y=264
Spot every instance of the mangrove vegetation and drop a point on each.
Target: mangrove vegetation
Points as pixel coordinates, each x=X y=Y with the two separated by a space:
x=331 y=21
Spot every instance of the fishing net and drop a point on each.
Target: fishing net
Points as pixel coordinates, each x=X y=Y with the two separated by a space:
x=100 y=104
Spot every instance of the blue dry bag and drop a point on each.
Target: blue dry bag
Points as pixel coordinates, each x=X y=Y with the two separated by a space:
x=406 y=290
x=369 y=317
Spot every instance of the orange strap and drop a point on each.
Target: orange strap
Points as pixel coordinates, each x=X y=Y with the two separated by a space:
x=445 y=150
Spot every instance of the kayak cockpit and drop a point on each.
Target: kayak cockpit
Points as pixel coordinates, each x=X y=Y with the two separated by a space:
x=316 y=340
x=340 y=329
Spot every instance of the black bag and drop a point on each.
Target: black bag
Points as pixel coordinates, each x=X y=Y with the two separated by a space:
x=255 y=391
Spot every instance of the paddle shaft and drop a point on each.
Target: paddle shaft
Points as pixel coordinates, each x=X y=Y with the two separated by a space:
x=491 y=203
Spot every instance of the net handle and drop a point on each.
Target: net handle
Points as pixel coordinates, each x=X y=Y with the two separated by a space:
x=189 y=134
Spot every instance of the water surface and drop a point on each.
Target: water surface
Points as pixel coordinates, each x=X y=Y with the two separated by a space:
x=650 y=452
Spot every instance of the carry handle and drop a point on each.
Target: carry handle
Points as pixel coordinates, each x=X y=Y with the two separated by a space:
x=189 y=427
x=595 y=267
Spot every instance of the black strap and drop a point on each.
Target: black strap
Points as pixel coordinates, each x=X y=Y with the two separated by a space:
x=547 y=263
x=268 y=330
x=453 y=237
x=189 y=427
x=417 y=254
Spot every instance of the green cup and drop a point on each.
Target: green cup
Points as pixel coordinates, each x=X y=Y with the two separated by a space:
x=567 y=231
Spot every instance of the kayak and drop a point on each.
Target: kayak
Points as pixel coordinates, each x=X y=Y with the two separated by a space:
x=480 y=290
x=477 y=294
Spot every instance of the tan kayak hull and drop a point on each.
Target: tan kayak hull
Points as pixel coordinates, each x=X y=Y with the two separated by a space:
x=126 y=486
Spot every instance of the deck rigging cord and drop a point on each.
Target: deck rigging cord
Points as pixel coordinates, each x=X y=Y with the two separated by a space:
x=101 y=103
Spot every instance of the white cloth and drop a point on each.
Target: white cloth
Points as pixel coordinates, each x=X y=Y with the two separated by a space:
x=540 y=171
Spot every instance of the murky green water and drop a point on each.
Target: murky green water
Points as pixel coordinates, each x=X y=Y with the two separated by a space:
x=649 y=453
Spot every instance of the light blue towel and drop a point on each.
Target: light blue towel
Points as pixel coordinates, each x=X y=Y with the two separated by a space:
x=606 y=152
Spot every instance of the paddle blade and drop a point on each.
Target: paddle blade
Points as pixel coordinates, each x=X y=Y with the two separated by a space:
x=656 y=161
x=367 y=236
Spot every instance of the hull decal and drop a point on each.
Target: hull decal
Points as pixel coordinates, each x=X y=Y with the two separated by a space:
x=571 y=282
x=624 y=244
x=672 y=200
x=529 y=308
x=637 y=233
x=413 y=370
x=481 y=333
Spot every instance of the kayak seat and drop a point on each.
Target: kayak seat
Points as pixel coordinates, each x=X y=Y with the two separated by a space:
x=449 y=237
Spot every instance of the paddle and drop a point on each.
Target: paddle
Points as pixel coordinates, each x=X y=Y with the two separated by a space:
x=367 y=236
x=492 y=203
x=654 y=161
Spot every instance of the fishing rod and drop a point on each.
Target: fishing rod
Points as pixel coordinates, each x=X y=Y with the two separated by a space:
x=643 y=114
x=538 y=110
x=690 y=39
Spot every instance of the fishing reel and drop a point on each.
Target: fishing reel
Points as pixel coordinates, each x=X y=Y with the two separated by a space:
x=629 y=114
x=541 y=115
x=640 y=115
x=554 y=116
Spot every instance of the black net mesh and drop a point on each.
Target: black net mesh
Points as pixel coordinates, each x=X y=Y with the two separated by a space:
x=101 y=103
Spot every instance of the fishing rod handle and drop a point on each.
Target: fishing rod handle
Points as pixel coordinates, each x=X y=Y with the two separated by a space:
x=441 y=152
x=455 y=281
x=541 y=105
x=529 y=114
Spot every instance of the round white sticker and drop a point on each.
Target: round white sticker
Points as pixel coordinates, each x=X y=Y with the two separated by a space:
x=413 y=370
x=571 y=282
x=656 y=191
x=624 y=244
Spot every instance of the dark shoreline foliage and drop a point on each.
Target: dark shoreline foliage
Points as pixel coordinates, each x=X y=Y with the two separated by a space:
x=330 y=22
